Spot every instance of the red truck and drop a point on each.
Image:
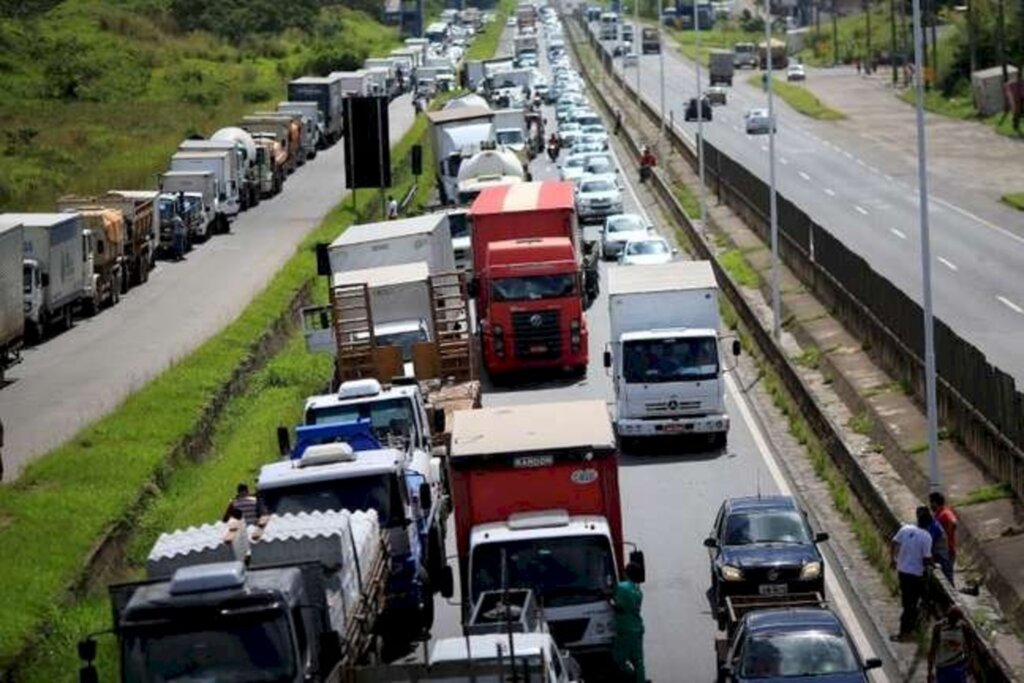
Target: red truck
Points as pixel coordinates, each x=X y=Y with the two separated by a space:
x=529 y=282
x=537 y=506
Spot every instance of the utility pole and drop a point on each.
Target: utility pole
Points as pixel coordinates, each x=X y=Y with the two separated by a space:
x=639 y=55
x=835 y=35
x=700 y=124
x=773 y=208
x=661 y=64
x=972 y=36
x=935 y=41
x=867 y=21
x=892 y=46
x=1001 y=39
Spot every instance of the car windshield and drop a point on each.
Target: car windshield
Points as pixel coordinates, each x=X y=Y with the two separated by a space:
x=625 y=224
x=687 y=359
x=374 y=492
x=597 y=186
x=576 y=162
x=647 y=247
x=389 y=417
x=562 y=571
x=534 y=288
x=509 y=137
x=766 y=526
x=251 y=647
x=784 y=655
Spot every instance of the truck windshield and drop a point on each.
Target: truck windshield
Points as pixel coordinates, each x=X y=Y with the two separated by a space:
x=534 y=288
x=244 y=648
x=561 y=571
x=26 y=278
x=458 y=224
x=687 y=359
x=390 y=417
x=377 y=492
x=509 y=137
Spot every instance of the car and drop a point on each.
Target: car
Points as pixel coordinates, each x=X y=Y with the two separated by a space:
x=574 y=167
x=593 y=140
x=646 y=251
x=598 y=196
x=600 y=164
x=622 y=48
x=589 y=146
x=587 y=117
x=511 y=22
x=795 y=72
x=763 y=545
x=758 y=122
x=805 y=643
x=705 y=108
x=621 y=228
x=568 y=133
x=630 y=59
x=716 y=95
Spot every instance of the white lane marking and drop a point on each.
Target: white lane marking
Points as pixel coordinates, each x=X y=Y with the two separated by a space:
x=847 y=155
x=829 y=192
x=805 y=176
x=1009 y=304
x=861 y=210
x=898 y=233
x=764 y=148
x=783 y=160
x=872 y=169
x=949 y=264
x=861 y=162
x=968 y=214
x=736 y=128
x=887 y=177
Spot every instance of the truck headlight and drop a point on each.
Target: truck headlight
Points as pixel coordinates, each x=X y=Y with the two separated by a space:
x=811 y=570
x=730 y=573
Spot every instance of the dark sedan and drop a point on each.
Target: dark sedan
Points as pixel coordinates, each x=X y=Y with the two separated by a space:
x=777 y=645
x=763 y=546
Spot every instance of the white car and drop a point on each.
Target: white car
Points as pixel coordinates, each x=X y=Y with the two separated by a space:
x=595 y=133
x=646 y=251
x=630 y=59
x=589 y=146
x=568 y=133
x=587 y=117
x=795 y=72
x=598 y=196
x=510 y=22
x=758 y=122
x=574 y=167
x=621 y=228
x=600 y=164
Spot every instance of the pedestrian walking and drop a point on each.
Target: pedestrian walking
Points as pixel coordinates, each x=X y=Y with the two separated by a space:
x=857 y=62
x=244 y=506
x=392 y=208
x=628 y=647
x=947 y=659
x=180 y=232
x=947 y=519
x=911 y=551
x=618 y=121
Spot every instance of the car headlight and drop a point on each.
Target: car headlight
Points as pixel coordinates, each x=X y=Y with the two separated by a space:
x=811 y=570
x=730 y=573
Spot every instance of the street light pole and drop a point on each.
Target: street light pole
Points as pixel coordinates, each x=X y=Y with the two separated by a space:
x=639 y=54
x=661 y=64
x=926 y=262
x=776 y=303
x=700 y=125
x=835 y=35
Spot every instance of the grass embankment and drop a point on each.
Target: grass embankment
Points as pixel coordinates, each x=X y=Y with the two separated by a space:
x=801 y=99
x=961 y=106
x=486 y=43
x=723 y=36
x=66 y=500
x=1016 y=200
x=98 y=93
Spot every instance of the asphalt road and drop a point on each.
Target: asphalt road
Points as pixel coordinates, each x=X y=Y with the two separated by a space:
x=867 y=197
x=80 y=375
x=669 y=501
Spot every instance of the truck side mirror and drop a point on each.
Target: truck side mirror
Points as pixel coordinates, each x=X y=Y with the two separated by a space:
x=46 y=279
x=737 y=348
x=637 y=557
x=426 y=497
x=446 y=582
x=438 y=421
x=710 y=542
x=323 y=260
x=821 y=537
x=607 y=359
x=284 y=442
x=872 y=663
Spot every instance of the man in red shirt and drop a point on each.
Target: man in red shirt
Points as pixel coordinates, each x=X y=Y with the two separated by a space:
x=946 y=518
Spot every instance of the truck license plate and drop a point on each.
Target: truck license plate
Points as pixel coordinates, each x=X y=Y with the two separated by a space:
x=538 y=348
x=672 y=428
x=772 y=589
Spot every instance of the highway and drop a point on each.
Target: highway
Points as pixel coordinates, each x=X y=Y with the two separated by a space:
x=77 y=377
x=867 y=197
x=669 y=500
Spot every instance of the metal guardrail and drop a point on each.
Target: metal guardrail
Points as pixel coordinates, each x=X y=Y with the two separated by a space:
x=992 y=667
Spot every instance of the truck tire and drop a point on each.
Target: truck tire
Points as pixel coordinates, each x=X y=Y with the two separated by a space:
x=718 y=441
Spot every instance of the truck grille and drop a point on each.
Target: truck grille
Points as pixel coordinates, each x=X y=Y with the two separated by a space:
x=538 y=334
x=672 y=407
x=567 y=631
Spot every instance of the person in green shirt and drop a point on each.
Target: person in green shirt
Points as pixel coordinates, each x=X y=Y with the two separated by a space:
x=628 y=648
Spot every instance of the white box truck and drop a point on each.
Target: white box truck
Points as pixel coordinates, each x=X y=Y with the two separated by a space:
x=313 y=127
x=12 y=303
x=664 y=356
x=57 y=268
x=244 y=162
x=391 y=243
x=224 y=167
x=353 y=83
x=326 y=92
x=197 y=187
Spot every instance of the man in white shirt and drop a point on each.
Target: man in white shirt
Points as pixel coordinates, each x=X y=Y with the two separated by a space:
x=911 y=550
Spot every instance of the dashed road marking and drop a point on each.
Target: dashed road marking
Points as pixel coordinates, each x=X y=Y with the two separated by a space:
x=829 y=192
x=805 y=176
x=1009 y=304
x=887 y=177
x=783 y=160
x=861 y=210
x=898 y=233
x=847 y=155
x=949 y=264
x=872 y=169
x=861 y=162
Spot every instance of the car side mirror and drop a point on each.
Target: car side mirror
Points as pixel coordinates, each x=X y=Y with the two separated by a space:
x=710 y=542
x=447 y=582
x=872 y=663
x=737 y=348
x=438 y=421
x=426 y=497
x=284 y=442
x=820 y=537
x=675 y=252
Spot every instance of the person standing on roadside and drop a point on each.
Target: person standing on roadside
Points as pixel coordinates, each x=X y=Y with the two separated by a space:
x=392 y=208
x=947 y=659
x=947 y=519
x=244 y=506
x=628 y=647
x=911 y=551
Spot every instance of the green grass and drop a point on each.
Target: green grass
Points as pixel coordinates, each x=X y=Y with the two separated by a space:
x=852 y=32
x=1015 y=199
x=810 y=358
x=77 y=491
x=800 y=98
x=741 y=272
x=689 y=201
x=861 y=423
x=723 y=36
x=985 y=494
x=98 y=94
x=486 y=44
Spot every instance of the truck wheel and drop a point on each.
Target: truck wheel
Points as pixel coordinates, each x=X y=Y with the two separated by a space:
x=66 y=320
x=115 y=291
x=91 y=307
x=718 y=441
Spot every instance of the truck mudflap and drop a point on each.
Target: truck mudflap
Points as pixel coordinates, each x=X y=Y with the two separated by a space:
x=676 y=426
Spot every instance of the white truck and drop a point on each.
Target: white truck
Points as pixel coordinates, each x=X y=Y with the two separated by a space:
x=244 y=159
x=666 y=366
x=326 y=92
x=12 y=303
x=256 y=162
x=295 y=599
x=455 y=135
x=313 y=130
x=225 y=169
x=423 y=238
x=379 y=81
x=57 y=269
x=353 y=83
x=198 y=186
x=488 y=168
x=511 y=132
x=525 y=44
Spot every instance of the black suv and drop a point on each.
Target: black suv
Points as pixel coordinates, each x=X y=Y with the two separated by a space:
x=763 y=546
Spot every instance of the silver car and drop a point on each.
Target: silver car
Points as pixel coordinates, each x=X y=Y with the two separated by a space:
x=621 y=228
x=758 y=122
x=647 y=250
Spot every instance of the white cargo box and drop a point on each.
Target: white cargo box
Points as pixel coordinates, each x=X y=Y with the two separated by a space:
x=681 y=294
x=12 y=313
x=391 y=243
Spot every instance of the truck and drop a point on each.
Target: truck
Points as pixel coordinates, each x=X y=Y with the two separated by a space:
x=720 y=67
x=488 y=168
x=391 y=243
x=195 y=185
x=744 y=55
x=526 y=17
x=313 y=130
x=779 y=56
x=12 y=304
x=537 y=507
x=455 y=135
x=295 y=600
x=380 y=83
x=137 y=217
x=56 y=266
x=353 y=83
x=650 y=40
x=512 y=133
x=104 y=236
x=300 y=132
x=528 y=278
x=240 y=156
x=223 y=165
x=255 y=162
x=664 y=352
x=326 y=92
x=608 y=26
x=525 y=44
x=287 y=131
x=347 y=462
